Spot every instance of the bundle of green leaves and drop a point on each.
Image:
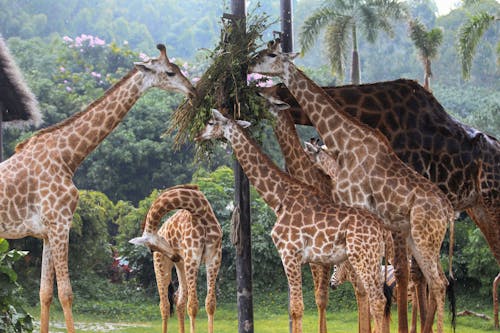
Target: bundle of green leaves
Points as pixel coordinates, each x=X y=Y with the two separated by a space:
x=224 y=84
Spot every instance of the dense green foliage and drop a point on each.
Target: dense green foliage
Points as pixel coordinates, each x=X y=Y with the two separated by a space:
x=13 y=317
x=71 y=52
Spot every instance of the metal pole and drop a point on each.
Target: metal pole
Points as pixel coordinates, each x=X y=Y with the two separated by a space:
x=286 y=25
x=242 y=201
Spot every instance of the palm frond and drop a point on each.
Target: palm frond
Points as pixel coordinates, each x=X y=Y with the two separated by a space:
x=337 y=37
x=426 y=42
x=370 y=22
x=312 y=26
x=469 y=35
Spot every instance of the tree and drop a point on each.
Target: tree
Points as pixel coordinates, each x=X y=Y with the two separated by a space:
x=427 y=44
x=470 y=34
x=342 y=20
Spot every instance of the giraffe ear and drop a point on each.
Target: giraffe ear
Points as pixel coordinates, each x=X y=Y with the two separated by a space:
x=217 y=115
x=243 y=123
x=311 y=147
x=292 y=55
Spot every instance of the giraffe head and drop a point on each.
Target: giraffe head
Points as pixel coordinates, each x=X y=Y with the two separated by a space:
x=321 y=157
x=161 y=73
x=271 y=61
x=219 y=127
x=274 y=103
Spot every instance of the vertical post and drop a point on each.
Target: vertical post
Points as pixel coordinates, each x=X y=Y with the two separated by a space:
x=1 y=132
x=242 y=201
x=286 y=25
x=287 y=46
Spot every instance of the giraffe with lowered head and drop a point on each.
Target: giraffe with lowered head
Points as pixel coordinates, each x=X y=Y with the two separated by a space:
x=371 y=176
x=189 y=237
x=310 y=228
x=38 y=194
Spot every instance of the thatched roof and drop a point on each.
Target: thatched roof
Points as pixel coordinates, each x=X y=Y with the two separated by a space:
x=17 y=103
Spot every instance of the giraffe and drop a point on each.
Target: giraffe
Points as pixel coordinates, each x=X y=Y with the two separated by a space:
x=310 y=228
x=188 y=238
x=372 y=176
x=302 y=168
x=461 y=160
x=38 y=194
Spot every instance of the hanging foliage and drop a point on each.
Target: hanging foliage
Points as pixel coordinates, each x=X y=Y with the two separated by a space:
x=224 y=84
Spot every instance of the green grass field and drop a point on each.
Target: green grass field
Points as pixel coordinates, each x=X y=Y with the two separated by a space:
x=226 y=322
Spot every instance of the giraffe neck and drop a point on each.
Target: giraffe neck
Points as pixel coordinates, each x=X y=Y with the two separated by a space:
x=178 y=198
x=77 y=136
x=262 y=173
x=298 y=164
x=335 y=126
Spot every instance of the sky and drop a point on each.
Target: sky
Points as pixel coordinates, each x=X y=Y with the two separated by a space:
x=445 y=6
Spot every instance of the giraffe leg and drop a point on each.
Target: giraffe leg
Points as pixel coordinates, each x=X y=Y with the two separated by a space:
x=46 y=287
x=401 y=274
x=294 y=275
x=191 y=272
x=321 y=278
x=414 y=309
x=182 y=295
x=370 y=279
x=163 y=272
x=212 y=266
x=59 y=253
x=364 y=324
x=420 y=288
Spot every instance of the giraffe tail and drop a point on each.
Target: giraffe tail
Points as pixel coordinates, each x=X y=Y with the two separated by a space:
x=156 y=243
x=388 y=297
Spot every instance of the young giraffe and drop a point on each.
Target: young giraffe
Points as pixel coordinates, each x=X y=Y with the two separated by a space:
x=461 y=160
x=309 y=227
x=192 y=235
x=301 y=167
x=39 y=197
x=372 y=176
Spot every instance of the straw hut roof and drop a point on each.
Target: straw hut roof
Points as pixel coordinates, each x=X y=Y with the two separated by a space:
x=18 y=105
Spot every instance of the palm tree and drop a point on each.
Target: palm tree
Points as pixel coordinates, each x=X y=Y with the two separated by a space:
x=341 y=20
x=470 y=34
x=427 y=44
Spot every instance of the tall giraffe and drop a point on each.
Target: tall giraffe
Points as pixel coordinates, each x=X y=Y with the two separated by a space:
x=372 y=176
x=192 y=235
x=309 y=227
x=38 y=195
x=461 y=160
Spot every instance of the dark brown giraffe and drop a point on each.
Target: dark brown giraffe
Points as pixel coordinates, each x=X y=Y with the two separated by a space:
x=461 y=160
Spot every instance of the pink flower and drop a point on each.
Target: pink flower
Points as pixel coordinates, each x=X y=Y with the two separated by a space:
x=62 y=69
x=99 y=42
x=67 y=39
x=68 y=89
x=94 y=74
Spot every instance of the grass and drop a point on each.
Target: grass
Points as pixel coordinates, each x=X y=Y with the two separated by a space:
x=265 y=321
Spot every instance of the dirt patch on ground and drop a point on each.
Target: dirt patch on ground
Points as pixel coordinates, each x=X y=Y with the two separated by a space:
x=90 y=327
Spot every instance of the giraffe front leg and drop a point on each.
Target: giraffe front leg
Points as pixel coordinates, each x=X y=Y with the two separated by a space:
x=163 y=272
x=321 y=278
x=294 y=275
x=59 y=251
x=46 y=286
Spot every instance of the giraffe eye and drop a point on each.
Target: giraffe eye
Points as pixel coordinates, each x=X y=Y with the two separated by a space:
x=170 y=74
x=272 y=55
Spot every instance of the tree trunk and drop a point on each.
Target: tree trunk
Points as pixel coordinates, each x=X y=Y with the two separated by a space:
x=355 y=70
x=428 y=74
x=242 y=203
